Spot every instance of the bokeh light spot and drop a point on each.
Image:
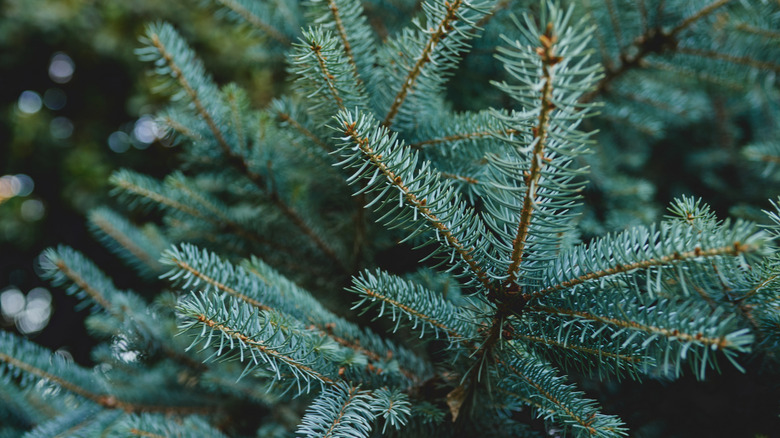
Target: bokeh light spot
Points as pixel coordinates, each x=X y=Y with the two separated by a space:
x=26 y=184
x=33 y=320
x=119 y=142
x=9 y=186
x=61 y=128
x=29 y=102
x=31 y=313
x=61 y=68
x=55 y=99
x=32 y=210
x=145 y=131
x=38 y=297
x=11 y=302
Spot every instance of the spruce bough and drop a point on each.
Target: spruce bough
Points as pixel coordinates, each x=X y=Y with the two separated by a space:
x=276 y=212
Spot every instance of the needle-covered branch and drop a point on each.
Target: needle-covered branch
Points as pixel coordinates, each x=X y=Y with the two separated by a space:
x=556 y=399
x=419 y=60
x=423 y=308
x=691 y=333
x=668 y=244
x=524 y=264
x=263 y=340
x=427 y=202
x=261 y=287
x=550 y=68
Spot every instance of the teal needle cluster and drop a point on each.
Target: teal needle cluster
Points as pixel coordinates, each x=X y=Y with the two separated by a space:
x=271 y=311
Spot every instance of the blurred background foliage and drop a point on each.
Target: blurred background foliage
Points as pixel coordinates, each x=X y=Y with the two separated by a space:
x=75 y=105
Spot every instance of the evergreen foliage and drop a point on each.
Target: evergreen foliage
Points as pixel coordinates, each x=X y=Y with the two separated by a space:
x=276 y=212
